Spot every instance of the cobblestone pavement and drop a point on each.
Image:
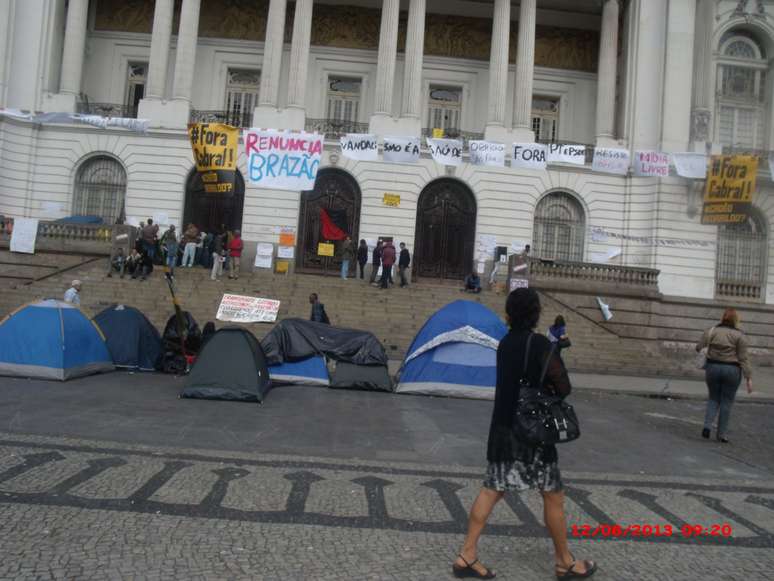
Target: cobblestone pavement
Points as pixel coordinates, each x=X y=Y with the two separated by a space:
x=85 y=509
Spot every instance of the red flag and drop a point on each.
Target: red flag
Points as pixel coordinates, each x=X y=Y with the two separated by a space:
x=332 y=230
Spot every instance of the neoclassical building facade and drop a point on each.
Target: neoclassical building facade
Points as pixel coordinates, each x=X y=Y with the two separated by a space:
x=639 y=75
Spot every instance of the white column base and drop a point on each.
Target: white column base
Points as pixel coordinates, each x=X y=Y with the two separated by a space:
x=499 y=134
x=272 y=118
x=173 y=114
x=521 y=135
x=60 y=103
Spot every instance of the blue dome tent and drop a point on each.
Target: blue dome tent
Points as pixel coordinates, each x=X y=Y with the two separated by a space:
x=309 y=371
x=454 y=353
x=132 y=340
x=51 y=339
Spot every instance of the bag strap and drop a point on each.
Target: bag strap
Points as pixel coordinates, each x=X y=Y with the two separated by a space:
x=546 y=362
x=526 y=356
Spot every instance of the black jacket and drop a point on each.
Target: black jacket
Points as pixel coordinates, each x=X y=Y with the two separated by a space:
x=376 y=255
x=362 y=254
x=405 y=258
x=504 y=444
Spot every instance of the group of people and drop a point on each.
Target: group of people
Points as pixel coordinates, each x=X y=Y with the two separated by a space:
x=383 y=256
x=216 y=251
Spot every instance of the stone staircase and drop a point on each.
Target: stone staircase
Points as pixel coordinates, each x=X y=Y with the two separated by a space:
x=394 y=315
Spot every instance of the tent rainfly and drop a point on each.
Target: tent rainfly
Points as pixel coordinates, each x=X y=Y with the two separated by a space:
x=133 y=341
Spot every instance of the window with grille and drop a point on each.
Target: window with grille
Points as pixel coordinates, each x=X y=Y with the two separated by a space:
x=137 y=77
x=444 y=109
x=560 y=228
x=741 y=257
x=242 y=88
x=741 y=92
x=343 y=99
x=100 y=189
x=545 y=119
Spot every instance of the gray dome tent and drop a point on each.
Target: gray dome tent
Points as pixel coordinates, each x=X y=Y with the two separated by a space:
x=231 y=366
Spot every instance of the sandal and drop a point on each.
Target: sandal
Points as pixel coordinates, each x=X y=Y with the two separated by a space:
x=470 y=571
x=570 y=573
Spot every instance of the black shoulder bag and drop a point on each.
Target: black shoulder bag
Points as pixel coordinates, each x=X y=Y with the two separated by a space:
x=541 y=417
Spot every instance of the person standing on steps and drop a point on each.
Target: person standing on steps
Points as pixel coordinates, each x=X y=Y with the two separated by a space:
x=347 y=256
x=362 y=257
x=73 y=294
x=318 y=310
x=149 y=235
x=170 y=246
x=235 y=248
x=376 y=260
x=727 y=362
x=403 y=263
x=217 y=255
x=514 y=464
x=388 y=259
x=190 y=240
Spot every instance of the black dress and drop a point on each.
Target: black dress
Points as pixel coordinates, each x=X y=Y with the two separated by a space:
x=515 y=465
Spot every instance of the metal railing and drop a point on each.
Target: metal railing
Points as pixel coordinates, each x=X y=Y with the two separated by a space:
x=335 y=128
x=243 y=119
x=107 y=109
x=628 y=276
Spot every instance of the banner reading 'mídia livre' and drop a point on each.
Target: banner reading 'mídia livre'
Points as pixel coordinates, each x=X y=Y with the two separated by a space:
x=215 y=152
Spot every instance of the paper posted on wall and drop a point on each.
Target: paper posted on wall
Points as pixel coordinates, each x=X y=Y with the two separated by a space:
x=25 y=231
x=607 y=314
x=242 y=309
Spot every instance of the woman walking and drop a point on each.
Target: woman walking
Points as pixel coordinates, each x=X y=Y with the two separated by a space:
x=515 y=465
x=727 y=361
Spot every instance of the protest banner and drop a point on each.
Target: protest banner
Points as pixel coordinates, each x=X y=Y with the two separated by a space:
x=691 y=165
x=651 y=164
x=402 y=149
x=609 y=160
x=445 y=151
x=360 y=146
x=518 y=282
x=558 y=153
x=287 y=236
x=282 y=160
x=263 y=254
x=487 y=153
x=529 y=156
x=24 y=234
x=285 y=251
x=325 y=249
x=392 y=200
x=729 y=189
x=215 y=153
x=242 y=309
x=282 y=267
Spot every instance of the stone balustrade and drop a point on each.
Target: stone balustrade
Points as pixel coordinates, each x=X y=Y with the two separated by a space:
x=734 y=289
x=86 y=238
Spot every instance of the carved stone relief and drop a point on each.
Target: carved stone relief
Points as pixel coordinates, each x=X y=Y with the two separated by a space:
x=700 y=122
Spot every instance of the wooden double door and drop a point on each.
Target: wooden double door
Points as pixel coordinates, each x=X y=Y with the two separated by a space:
x=334 y=189
x=445 y=231
x=209 y=210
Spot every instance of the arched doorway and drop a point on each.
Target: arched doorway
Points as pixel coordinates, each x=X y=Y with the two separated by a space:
x=560 y=228
x=209 y=210
x=100 y=189
x=334 y=189
x=445 y=233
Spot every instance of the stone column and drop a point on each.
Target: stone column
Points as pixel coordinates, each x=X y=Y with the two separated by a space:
x=272 y=54
x=498 y=70
x=525 y=72
x=74 y=47
x=299 y=54
x=159 y=51
x=678 y=75
x=185 y=58
x=385 y=66
x=5 y=46
x=411 y=104
x=703 y=75
x=607 y=72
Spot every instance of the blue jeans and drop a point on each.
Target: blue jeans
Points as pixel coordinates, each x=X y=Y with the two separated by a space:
x=722 y=381
x=344 y=268
x=150 y=249
x=171 y=261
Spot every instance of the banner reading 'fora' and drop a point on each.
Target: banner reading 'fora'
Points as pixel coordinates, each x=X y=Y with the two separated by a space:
x=729 y=189
x=215 y=152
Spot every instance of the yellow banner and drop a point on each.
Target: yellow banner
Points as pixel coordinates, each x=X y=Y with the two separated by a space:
x=392 y=200
x=729 y=188
x=325 y=249
x=215 y=153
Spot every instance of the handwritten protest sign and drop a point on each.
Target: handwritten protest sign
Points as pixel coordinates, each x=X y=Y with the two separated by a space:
x=487 y=153
x=282 y=160
x=691 y=165
x=729 y=189
x=445 y=151
x=402 y=149
x=651 y=164
x=558 y=153
x=529 y=155
x=611 y=160
x=360 y=146
x=242 y=309
x=325 y=249
x=215 y=152
x=25 y=231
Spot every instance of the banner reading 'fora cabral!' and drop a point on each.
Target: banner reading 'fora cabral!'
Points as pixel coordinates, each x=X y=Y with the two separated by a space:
x=215 y=152
x=729 y=189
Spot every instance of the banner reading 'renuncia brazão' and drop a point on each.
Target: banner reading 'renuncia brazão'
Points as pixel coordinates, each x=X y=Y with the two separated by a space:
x=215 y=151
